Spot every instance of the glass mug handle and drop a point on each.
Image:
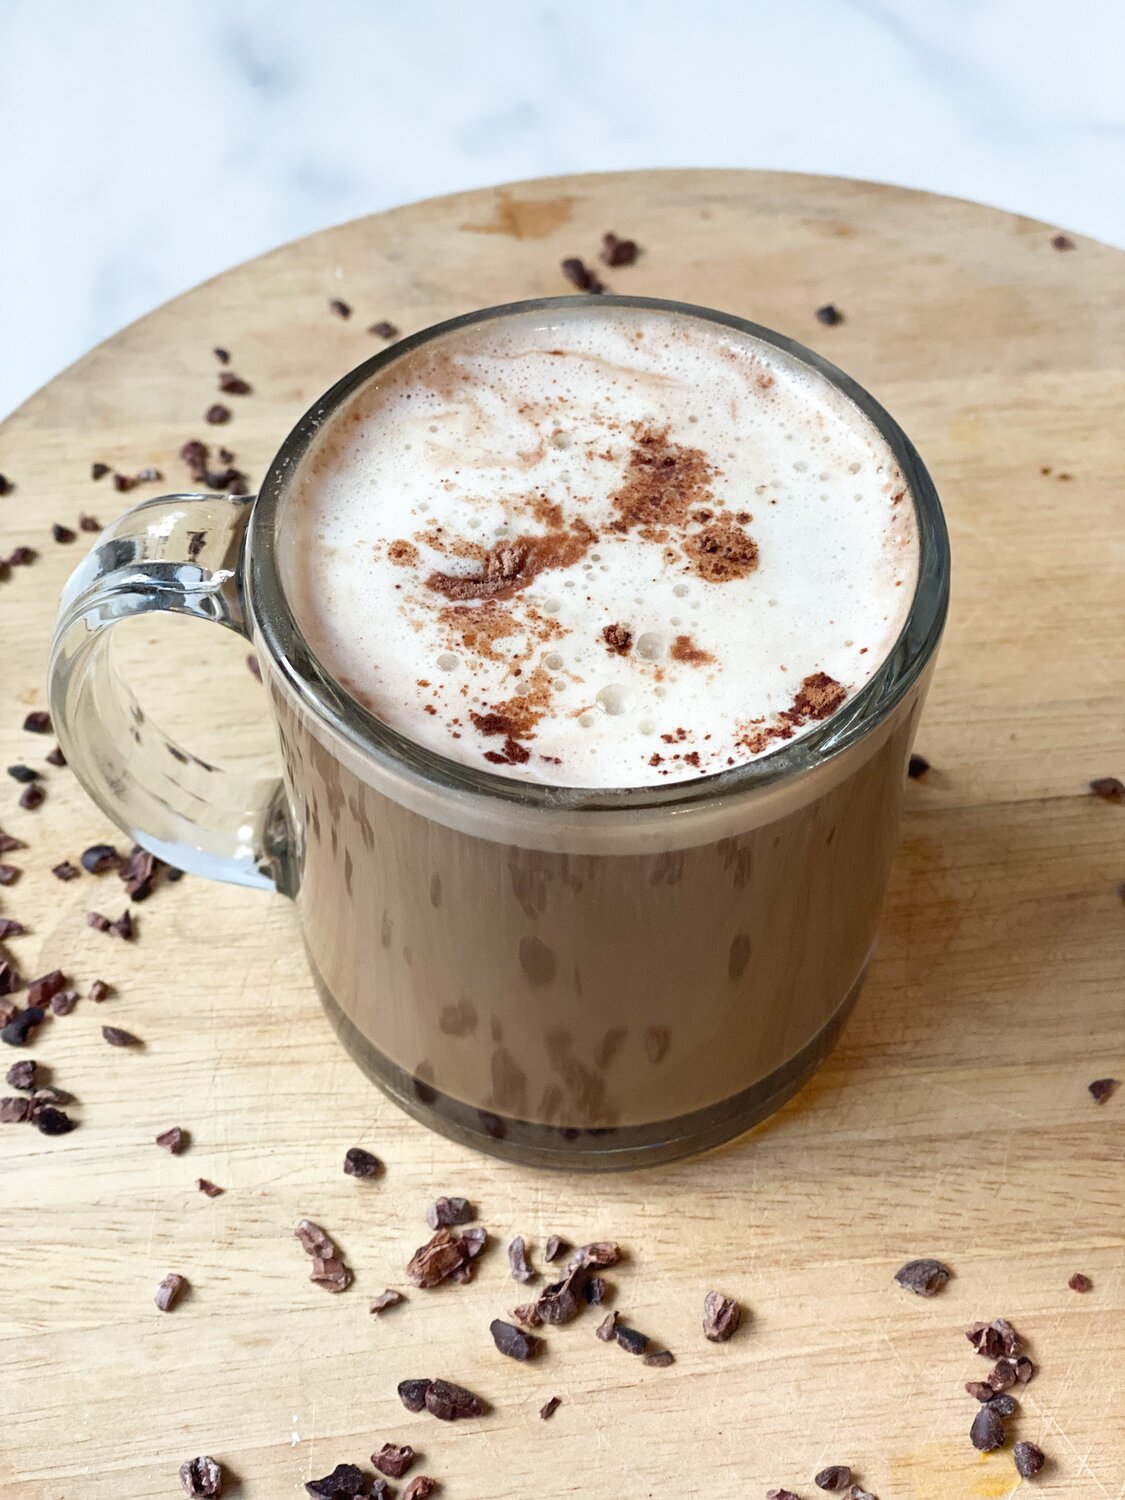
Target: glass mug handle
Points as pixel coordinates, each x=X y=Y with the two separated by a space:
x=182 y=554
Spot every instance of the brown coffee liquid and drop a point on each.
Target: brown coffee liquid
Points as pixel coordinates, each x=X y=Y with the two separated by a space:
x=589 y=1009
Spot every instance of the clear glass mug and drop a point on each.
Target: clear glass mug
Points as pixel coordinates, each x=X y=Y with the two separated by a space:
x=587 y=979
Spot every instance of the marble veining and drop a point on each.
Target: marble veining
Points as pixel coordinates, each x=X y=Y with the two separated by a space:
x=146 y=147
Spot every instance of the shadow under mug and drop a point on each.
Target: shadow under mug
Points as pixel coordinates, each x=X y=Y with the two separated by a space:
x=594 y=978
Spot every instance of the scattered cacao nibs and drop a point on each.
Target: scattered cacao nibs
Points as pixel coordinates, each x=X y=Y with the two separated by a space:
x=21 y=1075
x=1024 y=1369
x=123 y=483
x=384 y=330
x=124 y=927
x=6 y=485
x=618 y=252
x=331 y=1273
x=209 y=1189
x=1028 y=1459
x=512 y=1341
x=52 y=1121
x=630 y=1340
x=56 y=757
x=222 y=355
x=1108 y=788
x=389 y=1298
x=980 y=1389
x=174 y=1141
x=917 y=767
x=346 y=1482
x=1002 y=1376
x=991 y=1340
x=233 y=385
x=923 y=1277
x=339 y=307
x=47 y=1094
x=987 y=1431
x=1077 y=1283
x=559 y=1302
x=97 y=991
x=9 y=874
x=578 y=273
x=116 y=1037
x=607 y=1328
x=360 y=1163
x=329 y=1270
x=517 y=1261
x=202 y=1478
x=65 y=870
x=452 y=1403
x=527 y=1314
x=1101 y=1088
x=10 y=928
x=23 y=557
x=254 y=666
x=99 y=858
x=14 y=1110
x=597 y=1290
x=149 y=476
x=95 y=920
x=549 y=1408
x=599 y=1256
x=721 y=1317
x=554 y=1248
x=412 y=1393
x=216 y=414
x=660 y=1358
x=780 y=1495
x=1062 y=242
x=8 y=842
x=25 y=775
x=830 y=315
x=421 y=1487
x=38 y=722
x=18 y=1030
x=838 y=1477
x=33 y=797
x=64 y=1002
x=10 y=981
x=392 y=1460
x=446 y=1211
x=1002 y=1404
x=169 y=1290
x=62 y=533
x=194 y=454
x=98 y=470
x=474 y=1241
x=438 y=1259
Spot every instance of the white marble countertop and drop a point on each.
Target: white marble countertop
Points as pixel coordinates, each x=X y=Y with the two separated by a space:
x=147 y=144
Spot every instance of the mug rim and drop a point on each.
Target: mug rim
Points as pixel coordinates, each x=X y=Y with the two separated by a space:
x=316 y=689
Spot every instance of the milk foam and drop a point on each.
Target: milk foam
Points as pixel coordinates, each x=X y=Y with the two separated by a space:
x=600 y=547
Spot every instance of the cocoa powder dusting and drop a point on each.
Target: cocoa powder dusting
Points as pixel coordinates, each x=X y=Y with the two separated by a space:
x=403 y=554
x=721 y=551
x=818 y=697
x=512 y=564
x=618 y=639
x=663 y=482
x=684 y=649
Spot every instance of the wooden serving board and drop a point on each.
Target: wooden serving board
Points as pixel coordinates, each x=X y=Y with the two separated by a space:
x=953 y=1120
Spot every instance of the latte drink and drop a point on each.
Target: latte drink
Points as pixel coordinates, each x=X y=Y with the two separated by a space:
x=617 y=591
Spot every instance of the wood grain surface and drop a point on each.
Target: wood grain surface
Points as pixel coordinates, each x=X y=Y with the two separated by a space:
x=954 y=1118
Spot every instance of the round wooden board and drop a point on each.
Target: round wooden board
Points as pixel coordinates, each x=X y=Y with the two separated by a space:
x=952 y=1121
